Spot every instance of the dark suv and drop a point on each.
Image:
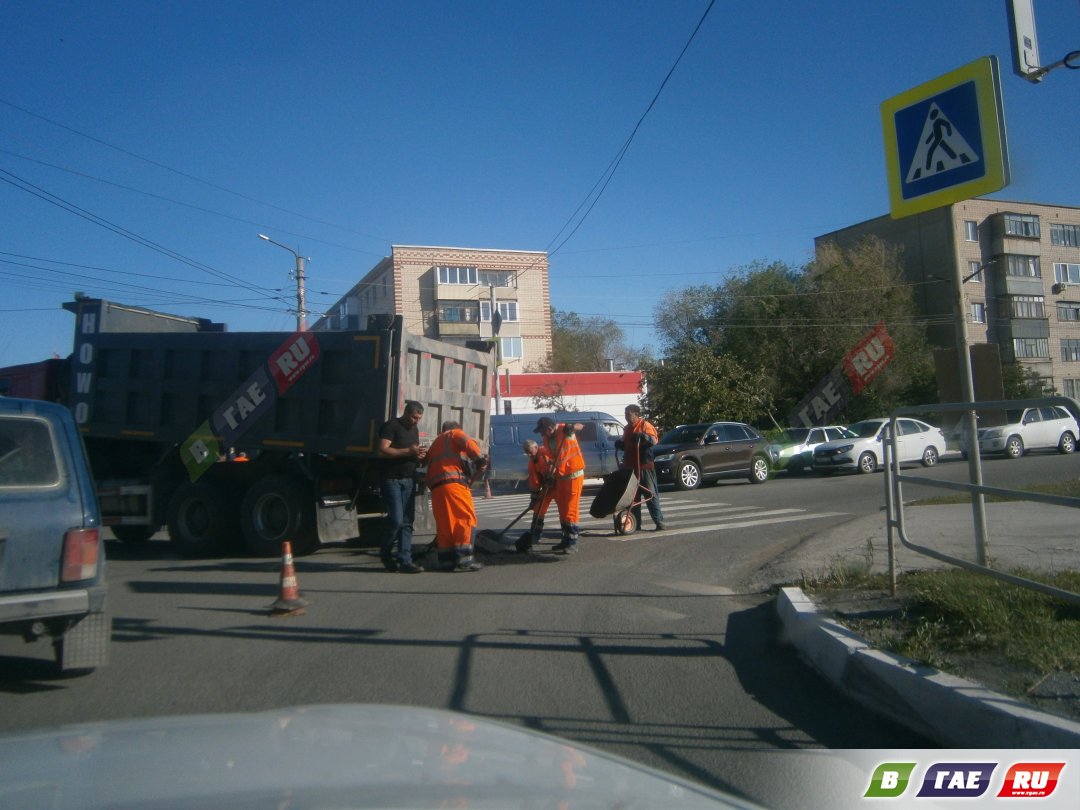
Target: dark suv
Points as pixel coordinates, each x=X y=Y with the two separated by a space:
x=52 y=558
x=692 y=454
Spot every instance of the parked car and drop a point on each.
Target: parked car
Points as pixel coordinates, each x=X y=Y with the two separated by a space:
x=794 y=451
x=52 y=554
x=689 y=455
x=1046 y=427
x=917 y=441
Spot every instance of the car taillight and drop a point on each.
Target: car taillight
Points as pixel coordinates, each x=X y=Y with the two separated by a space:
x=81 y=550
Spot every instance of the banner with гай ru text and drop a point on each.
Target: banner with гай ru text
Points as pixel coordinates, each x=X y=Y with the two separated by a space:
x=848 y=378
x=254 y=397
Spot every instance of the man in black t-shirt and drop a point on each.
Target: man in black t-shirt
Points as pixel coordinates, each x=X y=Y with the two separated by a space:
x=400 y=450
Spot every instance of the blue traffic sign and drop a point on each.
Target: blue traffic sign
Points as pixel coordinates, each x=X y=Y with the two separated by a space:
x=945 y=140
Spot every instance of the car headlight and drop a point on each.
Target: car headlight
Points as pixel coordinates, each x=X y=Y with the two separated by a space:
x=664 y=457
x=991 y=433
x=847 y=448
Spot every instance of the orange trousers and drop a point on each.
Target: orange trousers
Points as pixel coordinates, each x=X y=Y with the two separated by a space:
x=568 y=497
x=455 y=519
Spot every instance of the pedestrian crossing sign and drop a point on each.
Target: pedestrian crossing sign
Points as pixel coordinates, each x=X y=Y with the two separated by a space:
x=945 y=140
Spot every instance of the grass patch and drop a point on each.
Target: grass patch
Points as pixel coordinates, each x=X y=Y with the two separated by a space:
x=1068 y=489
x=966 y=623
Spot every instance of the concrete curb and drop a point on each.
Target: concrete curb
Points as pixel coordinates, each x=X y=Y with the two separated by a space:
x=951 y=711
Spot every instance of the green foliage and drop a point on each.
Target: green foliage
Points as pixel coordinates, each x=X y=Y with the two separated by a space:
x=697 y=384
x=586 y=344
x=786 y=328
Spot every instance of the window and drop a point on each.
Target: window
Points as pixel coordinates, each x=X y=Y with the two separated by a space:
x=511 y=347
x=1026 y=266
x=971 y=230
x=1070 y=349
x=508 y=310
x=978 y=312
x=457 y=275
x=1032 y=347
x=1071 y=388
x=457 y=312
x=497 y=278
x=1065 y=273
x=1068 y=311
x=974 y=273
x=1065 y=235
x=1023 y=306
x=1022 y=225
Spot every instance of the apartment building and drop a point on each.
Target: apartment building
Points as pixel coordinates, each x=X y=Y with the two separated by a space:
x=458 y=295
x=1020 y=264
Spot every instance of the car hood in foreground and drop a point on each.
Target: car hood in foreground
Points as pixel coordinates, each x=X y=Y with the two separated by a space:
x=325 y=756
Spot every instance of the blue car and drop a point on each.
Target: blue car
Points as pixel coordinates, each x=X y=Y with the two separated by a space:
x=52 y=554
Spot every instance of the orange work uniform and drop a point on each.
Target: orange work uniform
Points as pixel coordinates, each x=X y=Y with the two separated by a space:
x=451 y=498
x=568 y=466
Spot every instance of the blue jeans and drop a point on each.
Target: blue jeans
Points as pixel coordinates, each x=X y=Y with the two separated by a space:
x=648 y=480
x=399 y=498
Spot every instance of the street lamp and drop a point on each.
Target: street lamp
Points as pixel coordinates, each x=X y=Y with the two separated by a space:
x=301 y=311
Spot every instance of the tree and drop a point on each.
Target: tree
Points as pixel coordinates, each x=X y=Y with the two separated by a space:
x=694 y=384
x=586 y=344
x=551 y=398
x=791 y=326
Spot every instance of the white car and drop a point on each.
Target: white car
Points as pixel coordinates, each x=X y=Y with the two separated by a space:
x=1049 y=426
x=794 y=451
x=917 y=441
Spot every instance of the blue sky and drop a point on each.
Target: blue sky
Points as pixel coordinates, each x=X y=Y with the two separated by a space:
x=342 y=128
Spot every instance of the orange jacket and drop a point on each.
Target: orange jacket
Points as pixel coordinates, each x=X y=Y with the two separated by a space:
x=539 y=466
x=631 y=448
x=565 y=453
x=448 y=456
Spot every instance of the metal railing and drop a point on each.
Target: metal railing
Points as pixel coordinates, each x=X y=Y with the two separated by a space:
x=894 y=501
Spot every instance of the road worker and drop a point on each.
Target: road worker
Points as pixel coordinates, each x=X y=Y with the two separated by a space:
x=454 y=460
x=568 y=470
x=541 y=491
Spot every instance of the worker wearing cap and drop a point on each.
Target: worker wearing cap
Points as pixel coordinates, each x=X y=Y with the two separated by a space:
x=451 y=460
x=567 y=466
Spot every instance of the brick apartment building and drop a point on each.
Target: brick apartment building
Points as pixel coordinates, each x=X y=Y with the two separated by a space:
x=1021 y=268
x=451 y=294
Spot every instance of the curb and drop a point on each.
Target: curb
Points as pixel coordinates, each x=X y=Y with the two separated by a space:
x=951 y=711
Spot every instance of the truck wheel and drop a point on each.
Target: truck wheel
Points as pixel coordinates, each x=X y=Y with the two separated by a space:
x=201 y=521
x=276 y=509
x=134 y=534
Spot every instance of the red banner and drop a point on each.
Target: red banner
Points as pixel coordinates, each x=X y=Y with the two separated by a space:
x=867 y=359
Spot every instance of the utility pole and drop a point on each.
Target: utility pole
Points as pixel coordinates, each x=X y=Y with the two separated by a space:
x=301 y=309
x=496 y=322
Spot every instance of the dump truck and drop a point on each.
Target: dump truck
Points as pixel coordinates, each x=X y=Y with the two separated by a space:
x=249 y=439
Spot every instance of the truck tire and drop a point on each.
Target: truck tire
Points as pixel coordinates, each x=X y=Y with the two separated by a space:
x=201 y=520
x=133 y=533
x=276 y=509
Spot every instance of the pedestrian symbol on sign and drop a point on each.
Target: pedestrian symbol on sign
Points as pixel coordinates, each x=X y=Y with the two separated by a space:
x=941 y=147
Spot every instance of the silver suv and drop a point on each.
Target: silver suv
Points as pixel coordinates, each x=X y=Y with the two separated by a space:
x=1048 y=426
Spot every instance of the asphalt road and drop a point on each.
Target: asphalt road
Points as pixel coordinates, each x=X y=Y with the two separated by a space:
x=655 y=646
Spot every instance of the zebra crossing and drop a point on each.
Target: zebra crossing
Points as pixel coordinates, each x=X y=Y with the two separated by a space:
x=684 y=515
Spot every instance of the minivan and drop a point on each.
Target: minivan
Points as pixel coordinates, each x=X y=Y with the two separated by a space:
x=52 y=554
x=509 y=464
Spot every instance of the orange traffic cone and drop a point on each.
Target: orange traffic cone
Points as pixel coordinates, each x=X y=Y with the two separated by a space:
x=289 y=602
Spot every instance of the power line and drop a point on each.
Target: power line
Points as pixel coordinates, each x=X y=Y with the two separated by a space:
x=612 y=167
x=192 y=177
x=52 y=199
